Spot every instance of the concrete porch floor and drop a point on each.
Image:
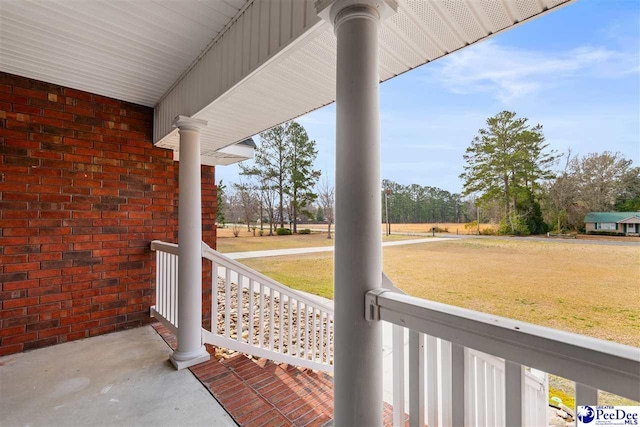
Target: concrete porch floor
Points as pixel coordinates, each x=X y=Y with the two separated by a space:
x=123 y=378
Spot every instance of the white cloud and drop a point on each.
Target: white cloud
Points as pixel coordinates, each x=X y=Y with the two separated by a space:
x=512 y=73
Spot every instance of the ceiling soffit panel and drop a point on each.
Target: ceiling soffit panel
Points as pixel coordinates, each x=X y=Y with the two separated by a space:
x=303 y=78
x=262 y=32
x=132 y=51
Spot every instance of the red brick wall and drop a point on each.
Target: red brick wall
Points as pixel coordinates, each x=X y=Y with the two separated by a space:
x=83 y=191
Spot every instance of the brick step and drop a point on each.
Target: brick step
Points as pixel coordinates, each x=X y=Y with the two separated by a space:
x=264 y=393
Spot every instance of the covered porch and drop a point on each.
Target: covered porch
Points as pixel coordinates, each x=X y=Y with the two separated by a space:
x=215 y=74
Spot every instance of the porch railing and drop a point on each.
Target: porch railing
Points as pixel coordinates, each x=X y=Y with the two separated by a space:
x=475 y=366
x=251 y=313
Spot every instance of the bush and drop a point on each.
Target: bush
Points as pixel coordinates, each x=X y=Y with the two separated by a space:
x=304 y=231
x=605 y=233
x=515 y=225
x=283 y=231
x=487 y=232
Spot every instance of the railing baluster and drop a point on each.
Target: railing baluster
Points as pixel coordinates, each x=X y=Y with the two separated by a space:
x=321 y=327
x=290 y=321
x=330 y=330
x=261 y=320
x=214 y=297
x=445 y=378
x=298 y=328
x=457 y=385
x=514 y=391
x=585 y=396
x=432 y=381
x=227 y=302
x=165 y=295
x=313 y=337
x=481 y=393
x=271 y=320
x=416 y=379
x=397 y=357
x=251 y=314
x=240 y=308
x=160 y=273
x=491 y=395
x=281 y=323
x=305 y=342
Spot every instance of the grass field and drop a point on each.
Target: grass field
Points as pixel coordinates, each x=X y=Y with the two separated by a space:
x=588 y=289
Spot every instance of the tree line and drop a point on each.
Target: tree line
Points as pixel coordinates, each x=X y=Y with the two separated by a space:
x=422 y=204
x=511 y=177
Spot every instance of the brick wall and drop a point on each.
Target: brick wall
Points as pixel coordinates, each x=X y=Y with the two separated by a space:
x=83 y=191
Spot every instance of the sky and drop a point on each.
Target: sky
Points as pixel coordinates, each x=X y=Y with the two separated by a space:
x=575 y=71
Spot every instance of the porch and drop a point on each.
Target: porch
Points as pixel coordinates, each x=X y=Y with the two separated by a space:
x=122 y=378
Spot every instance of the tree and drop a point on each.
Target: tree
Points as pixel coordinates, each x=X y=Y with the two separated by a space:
x=562 y=197
x=301 y=176
x=629 y=198
x=284 y=164
x=601 y=178
x=326 y=198
x=272 y=162
x=248 y=202
x=267 y=192
x=506 y=162
x=221 y=208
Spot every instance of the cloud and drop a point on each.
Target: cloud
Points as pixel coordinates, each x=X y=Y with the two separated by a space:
x=512 y=73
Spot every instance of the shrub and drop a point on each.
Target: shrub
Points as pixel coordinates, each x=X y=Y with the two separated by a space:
x=283 y=231
x=235 y=229
x=515 y=225
x=487 y=232
x=304 y=231
x=605 y=233
x=471 y=225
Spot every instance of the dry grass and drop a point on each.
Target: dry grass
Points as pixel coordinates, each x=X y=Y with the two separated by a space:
x=588 y=289
x=451 y=227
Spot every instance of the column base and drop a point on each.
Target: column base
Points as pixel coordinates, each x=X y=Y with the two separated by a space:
x=181 y=360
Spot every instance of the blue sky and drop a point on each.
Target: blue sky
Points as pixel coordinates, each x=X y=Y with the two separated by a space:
x=576 y=71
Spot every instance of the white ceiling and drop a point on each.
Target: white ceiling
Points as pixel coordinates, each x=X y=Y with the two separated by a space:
x=128 y=50
x=304 y=78
x=136 y=50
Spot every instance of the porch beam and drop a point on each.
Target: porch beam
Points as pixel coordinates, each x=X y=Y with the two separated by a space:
x=358 y=246
x=191 y=350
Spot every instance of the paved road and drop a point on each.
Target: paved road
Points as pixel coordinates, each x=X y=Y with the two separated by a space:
x=296 y=251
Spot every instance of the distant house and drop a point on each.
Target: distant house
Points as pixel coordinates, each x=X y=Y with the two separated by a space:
x=621 y=222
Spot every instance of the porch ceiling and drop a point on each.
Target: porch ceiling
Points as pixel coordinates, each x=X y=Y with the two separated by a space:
x=129 y=50
x=154 y=52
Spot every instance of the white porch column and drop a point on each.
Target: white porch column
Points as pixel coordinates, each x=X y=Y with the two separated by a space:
x=358 y=245
x=191 y=350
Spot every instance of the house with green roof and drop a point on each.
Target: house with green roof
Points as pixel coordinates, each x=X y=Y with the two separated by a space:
x=622 y=222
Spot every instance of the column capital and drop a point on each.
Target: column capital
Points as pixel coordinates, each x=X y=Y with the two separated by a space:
x=188 y=123
x=330 y=9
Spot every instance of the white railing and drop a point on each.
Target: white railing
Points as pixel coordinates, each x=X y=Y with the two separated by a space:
x=166 y=308
x=251 y=313
x=475 y=371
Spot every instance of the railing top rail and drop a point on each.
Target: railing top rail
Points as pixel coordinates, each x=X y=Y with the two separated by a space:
x=158 y=245
x=601 y=364
x=213 y=255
